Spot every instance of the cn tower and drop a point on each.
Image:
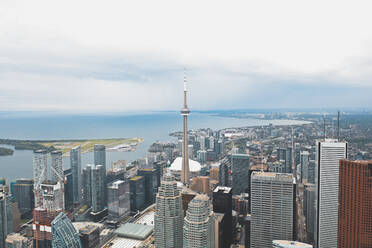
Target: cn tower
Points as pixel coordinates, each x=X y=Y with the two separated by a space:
x=185 y=111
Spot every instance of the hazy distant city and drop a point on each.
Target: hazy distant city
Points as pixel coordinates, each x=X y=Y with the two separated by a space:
x=185 y=124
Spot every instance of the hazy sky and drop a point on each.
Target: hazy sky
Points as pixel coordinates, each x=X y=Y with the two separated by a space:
x=108 y=56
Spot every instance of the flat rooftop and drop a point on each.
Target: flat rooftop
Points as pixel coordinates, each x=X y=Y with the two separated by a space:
x=222 y=189
x=134 y=231
x=147 y=218
x=124 y=243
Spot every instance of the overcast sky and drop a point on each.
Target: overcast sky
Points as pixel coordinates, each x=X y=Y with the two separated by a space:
x=110 y=56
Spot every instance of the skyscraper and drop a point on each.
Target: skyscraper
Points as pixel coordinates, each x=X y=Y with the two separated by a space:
x=98 y=188
x=137 y=195
x=24 y=195
x=309 y=210
x=87 y=185
x=68 y=189
x=40 y=174
x=15 y=240
x=222 y=204
x=64 y=234
x=6 y=217
x=168 y=215
x=273 y=208
x=240 y=171
x=198 y=226
x=99 y=154
x=355 y=204
x=150 y=181
x=118 y=199
x=56 y=167
x=329 y=153
x=52 y=195
x=75 y=162
x=304 y=162
x=185 y=111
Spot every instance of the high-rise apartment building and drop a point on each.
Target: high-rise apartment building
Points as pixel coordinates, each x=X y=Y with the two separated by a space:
x=24 y=196
x=222 y=204
x=273 y=208
x=304 y=166
x=198 y=226
x=52 y=196
x=168 y=215
x=75 y=162
x=98 y=188
x=87 y=185
x=355 y=204
x=64 y=235
x=40 y=163
x=68 y=194
x=329 y=153
x=118 y=199
x=56 y=167
x=41 y=227
x=99 y=154
x=240 y=166
x=6 y=217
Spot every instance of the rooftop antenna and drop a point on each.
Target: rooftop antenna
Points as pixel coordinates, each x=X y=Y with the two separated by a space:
x=338 y=125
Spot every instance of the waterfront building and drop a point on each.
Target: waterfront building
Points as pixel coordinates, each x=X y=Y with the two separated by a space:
x=64 y=234
x=40 y=163
x=355 y=204
x=222 y=204
x=99 y=154
x=68 y=194
x=168 y=215
x=118 y=199
x=289 y=244
x=273 y=208
x=75 y=162
x=98 y=188
x=24 y=196
x=328 y=154
x=198 y=226
x=137 y=195
x=15 y=240
x=185 y=111
x=6 y=217
x=149 y=176
x=240 y=166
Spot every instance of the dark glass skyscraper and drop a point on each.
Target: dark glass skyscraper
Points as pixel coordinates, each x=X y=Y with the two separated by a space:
x=64 y=235
x=75 y=162
x=24 y=196
x=150 y=180
x=222 y=204
x=137 y=195
x=6 y=217
x=240 y=171
x=99 y=154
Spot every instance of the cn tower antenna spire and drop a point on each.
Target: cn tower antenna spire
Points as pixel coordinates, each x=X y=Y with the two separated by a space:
x=185 y=111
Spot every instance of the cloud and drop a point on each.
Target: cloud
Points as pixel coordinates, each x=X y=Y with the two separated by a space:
x=90 y=56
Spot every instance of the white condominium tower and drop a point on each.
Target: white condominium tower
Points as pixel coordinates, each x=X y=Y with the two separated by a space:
x=168 y=215
x=329 y=153
x=273 y=208
x=198 y=227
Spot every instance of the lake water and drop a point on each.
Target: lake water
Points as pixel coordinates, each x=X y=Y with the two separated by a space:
x=152 y=127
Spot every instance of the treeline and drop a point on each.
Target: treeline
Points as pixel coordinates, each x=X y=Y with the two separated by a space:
x=6 y=151
x=26 y=145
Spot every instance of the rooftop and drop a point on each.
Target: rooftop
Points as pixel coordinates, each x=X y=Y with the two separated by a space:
x=134 y=231
x=223 y=189
x=124 y=243
x=135 y=178
x=147 y=218
x=291 y=244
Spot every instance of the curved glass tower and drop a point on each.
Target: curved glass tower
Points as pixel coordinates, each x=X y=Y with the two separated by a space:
x=64 y=235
